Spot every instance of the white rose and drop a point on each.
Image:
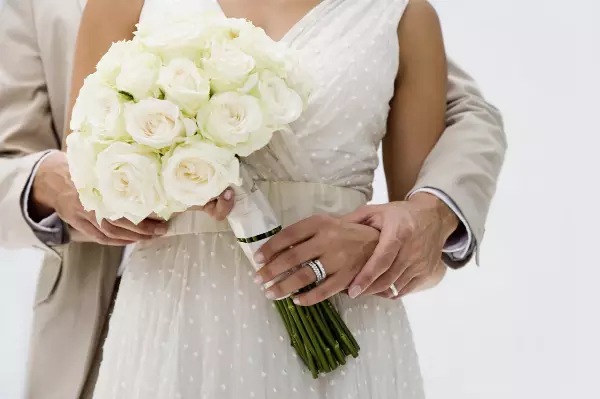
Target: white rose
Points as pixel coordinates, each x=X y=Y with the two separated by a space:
x=155 y=123
x=81 y=156
x=299 y=79
x=138 y=75
x=198 y=171
x=267 y=53
x=184 y=85
x=282 y=105
x=129 y=182
x=82 y=152
x=234 y=121
x=189 y=39
x=99 y=111
x=227 y=66
x=109 y=66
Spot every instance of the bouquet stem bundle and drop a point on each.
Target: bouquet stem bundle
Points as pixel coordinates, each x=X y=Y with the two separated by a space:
x=318 y=334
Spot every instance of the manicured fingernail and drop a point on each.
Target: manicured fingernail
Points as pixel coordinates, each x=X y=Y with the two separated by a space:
x=227 y=195
x=296 y=301
x=258 y=279
x=160 y=230
x=259 y=258
x=354 y=291
x=270 y=295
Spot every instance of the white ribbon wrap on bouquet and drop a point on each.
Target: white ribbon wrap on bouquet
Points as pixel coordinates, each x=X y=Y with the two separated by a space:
x=252 y=218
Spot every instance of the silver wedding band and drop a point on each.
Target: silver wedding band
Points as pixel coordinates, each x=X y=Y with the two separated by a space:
x=318 y=269
x=394 y=290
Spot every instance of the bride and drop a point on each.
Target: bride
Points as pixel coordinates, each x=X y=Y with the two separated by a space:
x=190 y=320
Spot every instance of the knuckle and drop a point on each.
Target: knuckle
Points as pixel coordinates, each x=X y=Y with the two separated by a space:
x=267 y=272
x=292 y=258
x=109 y=230
x=306 y=277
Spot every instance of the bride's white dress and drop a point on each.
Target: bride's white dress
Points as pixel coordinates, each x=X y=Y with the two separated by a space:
x=189 y=322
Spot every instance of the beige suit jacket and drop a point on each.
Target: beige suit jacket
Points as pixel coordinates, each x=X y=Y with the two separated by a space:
x=76 y=281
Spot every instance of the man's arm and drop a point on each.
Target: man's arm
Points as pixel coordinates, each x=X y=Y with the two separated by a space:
x=465 y=163
x=26 y=129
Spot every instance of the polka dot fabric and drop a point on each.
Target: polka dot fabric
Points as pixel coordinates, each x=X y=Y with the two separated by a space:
x=189 y=322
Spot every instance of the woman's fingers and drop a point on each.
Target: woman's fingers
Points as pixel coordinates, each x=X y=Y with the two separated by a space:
x=224 y=205
x=289 y=259
x=383 y=257
x=299 y=279
x=290 y=236
x=219 y=207
x=329 y=287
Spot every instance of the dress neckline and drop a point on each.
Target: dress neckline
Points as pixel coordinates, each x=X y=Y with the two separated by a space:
x=297 y=27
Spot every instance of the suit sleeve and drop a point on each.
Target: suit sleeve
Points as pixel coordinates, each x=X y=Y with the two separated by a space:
x=466 y=161
x=26 y=127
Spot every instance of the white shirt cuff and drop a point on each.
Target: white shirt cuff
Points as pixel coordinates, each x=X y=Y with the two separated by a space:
x=49 y=225
x=458 y=247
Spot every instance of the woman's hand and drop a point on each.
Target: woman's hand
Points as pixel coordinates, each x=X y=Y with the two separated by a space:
x=218 y=208
x=342 y=247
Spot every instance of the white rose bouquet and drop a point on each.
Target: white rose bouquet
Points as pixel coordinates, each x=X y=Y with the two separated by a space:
x=161 y=125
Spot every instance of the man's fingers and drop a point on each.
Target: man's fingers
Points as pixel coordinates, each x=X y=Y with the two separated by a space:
x=360 y=215
x=406 y=278
x=328 y=288
x=224 y=205
x=89 y=229
x=290 y=236
x=412 y=286
x=287 y=260
x=383 y=282
x=382 y=259
x=147 y=227
x=112 y=231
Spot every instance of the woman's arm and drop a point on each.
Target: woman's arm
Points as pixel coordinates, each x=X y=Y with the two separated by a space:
x=103 y=23
x=417 y=115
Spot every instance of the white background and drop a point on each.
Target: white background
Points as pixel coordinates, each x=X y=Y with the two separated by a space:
x=525 y=324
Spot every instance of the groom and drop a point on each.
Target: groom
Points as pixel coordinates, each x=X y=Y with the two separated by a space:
x=77 y=280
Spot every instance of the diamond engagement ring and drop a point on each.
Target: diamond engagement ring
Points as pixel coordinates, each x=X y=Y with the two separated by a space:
x=318 y=269
x=394 y=290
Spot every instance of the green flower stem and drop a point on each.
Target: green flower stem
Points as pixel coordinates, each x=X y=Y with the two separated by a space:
x=314 y=319
x=343 y=325
x=323 y=365
x=322 y=326
x=293 y=331
x=305 y=339
x=331 y=364
x=296 y=343
x=299 y=347
x=341 y=331
x=311 y=365
x=318 y=316
x=283 y=315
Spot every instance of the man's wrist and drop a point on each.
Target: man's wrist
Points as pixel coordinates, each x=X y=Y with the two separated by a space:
x=449 y=222
x=46 y=185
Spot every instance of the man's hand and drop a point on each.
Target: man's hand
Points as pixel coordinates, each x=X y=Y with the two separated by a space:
x=409 y=252
x=53 y=191
x=343 y=249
